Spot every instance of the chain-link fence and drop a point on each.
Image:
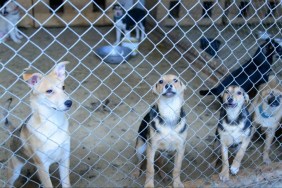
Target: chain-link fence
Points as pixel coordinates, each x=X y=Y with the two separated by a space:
x=201 y=42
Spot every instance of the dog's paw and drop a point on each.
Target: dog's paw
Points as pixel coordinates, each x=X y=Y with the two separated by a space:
x=20 y=36
x=17 y=41
x=136 y=173
x=149 y=184
x=266 y=160
x=224 y=176
x=234 y=170
x=178 y=184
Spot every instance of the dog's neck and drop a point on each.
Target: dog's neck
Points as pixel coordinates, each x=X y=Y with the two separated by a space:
x=45 y=115
x=117 y=18
x=170 y=108
x=232 y=114
x=267 y=112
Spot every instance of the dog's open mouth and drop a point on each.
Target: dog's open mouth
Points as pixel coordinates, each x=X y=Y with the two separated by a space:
x=231 y=105
x=169 y=93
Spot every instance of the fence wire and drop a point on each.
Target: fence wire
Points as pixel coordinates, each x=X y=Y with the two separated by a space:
x=202 y=42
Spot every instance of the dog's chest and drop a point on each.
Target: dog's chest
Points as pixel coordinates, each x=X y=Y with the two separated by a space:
x=233 y=134
x=168 y=137
x=49 y=139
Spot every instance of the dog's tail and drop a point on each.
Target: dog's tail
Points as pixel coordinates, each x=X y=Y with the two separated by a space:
x=5 y=111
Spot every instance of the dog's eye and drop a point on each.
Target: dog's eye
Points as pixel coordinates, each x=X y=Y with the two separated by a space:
x=175 y=80
x=239 y=93
x=161 y=82
x=49 y=91
x=63 y=87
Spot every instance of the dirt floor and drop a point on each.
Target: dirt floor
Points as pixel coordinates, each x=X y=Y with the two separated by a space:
x=103 y=136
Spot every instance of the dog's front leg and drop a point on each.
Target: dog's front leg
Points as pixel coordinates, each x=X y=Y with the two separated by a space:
x=13 y=35
x=43 y=173
x=150 y=166
x=118 y=36
x=177 y=167
x=18 y=33
x=137 y=31
x=64 y=171
x=224 y=174
x=142 y=31
x=127 y=34
x=268 y=140
x=239 y=156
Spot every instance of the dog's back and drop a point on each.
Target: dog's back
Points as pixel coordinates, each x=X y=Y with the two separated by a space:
x=133 y=17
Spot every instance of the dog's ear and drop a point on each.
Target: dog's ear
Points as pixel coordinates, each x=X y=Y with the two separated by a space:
x=155 y=88
x=32 y=79
x=183 y=86
x=272 y=80
x=60 y=70
x=246 y=97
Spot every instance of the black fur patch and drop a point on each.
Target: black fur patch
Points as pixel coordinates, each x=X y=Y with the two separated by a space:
x=148 y=120
x=243 y=116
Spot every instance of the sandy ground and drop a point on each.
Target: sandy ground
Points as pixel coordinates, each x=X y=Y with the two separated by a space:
x=103 y=137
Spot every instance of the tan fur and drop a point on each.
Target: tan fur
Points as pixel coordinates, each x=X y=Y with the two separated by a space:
x=45 y=137
x=233 y=133
x=270 y=124
x=167 y=137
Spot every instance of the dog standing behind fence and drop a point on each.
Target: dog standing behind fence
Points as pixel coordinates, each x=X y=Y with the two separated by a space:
x=234 y=130
x=44 y=137
x=255 y=71
x=9 y=17
x=126 y=20
x=268 y=111
x=163 y=129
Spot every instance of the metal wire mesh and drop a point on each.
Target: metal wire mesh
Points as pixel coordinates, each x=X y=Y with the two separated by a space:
x=200 y=41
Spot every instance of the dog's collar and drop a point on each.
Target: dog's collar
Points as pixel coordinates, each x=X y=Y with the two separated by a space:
x=264 y=115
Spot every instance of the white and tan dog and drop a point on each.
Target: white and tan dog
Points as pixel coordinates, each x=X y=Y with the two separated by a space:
x=234 y=129
x=268 y=111
x=44 y=138
x=163 y=129
x=9 y=18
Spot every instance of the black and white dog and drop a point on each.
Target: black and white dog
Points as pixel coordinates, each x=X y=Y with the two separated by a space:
x=234 y=130
x=9 y=17
x=254 y=72
x=125 y=21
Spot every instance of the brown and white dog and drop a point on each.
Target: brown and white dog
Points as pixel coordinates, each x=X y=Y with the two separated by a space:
x=234 y=129
x=44 y=137
x=9 y=18
x=163 y=129
x=268 y=111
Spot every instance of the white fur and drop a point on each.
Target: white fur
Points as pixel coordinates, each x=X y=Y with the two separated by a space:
x=8 y=22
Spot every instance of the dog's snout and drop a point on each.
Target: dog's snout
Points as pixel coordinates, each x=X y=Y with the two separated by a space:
x=68 y=103
x=274 y=101
x=168 y=86
x=230 y=100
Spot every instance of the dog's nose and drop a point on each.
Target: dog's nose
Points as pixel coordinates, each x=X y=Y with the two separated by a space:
x=68 y=103
x=168 y=86
x=230 y=100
